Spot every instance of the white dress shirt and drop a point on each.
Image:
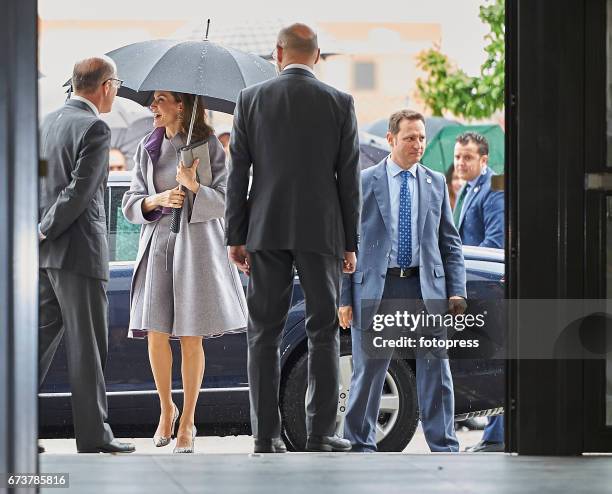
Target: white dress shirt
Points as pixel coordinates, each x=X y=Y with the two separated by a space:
x=300 y=66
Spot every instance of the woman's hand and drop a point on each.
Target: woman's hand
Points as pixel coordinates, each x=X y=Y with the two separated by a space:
x=187 y=176
x=172 y=198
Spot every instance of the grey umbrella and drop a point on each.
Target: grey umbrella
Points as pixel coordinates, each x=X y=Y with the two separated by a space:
x=372 y=149
x=129 y=123
x=204 y=68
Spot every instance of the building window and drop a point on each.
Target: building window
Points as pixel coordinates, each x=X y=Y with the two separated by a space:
x=363 y=76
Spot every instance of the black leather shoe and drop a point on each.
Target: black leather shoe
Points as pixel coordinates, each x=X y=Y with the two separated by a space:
x=327 y=443
x=115 y=446
x=486 y=447
x=274 y=445
x=41 y=449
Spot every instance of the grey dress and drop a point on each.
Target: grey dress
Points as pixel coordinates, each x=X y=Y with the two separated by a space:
x=183 y=284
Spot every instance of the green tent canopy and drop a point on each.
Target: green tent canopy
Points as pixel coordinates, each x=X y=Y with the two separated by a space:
x=439 y=152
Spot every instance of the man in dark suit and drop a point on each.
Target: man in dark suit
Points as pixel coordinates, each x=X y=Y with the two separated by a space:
x=479 y=216
x=74 y=249
x=411 y=259
x=300 y=137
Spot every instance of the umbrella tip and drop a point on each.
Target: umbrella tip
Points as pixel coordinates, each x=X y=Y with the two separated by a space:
x=207 y=28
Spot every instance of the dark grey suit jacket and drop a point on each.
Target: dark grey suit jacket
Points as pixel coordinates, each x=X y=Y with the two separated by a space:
x=75 y=144
x=300 y=135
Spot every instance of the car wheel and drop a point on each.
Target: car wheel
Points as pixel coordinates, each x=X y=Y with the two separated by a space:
x=397 y=418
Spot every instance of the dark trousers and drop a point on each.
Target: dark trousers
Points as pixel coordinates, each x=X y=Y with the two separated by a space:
x=434 y=381
x=269 y=299
x=77 y=306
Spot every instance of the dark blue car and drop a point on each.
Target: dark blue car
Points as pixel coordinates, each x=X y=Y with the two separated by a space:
x=223 y=407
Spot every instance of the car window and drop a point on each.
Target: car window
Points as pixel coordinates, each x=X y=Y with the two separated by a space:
x=122 y=235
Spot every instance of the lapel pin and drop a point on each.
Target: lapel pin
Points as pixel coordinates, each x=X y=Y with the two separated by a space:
x=476 y=189
x=428 y=180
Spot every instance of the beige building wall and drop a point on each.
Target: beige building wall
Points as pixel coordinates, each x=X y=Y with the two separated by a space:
x=390 y=49
x=62 y=42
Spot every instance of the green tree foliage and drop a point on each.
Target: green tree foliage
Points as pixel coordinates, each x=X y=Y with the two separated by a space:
x=448 y=88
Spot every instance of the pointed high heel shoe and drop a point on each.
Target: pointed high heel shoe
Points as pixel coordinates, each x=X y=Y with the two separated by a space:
x=161 y=441
x=191 y=448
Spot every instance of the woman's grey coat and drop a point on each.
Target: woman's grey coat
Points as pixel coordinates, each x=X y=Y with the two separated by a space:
x=208 y=295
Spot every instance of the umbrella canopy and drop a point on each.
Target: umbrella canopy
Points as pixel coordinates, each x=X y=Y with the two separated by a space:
x=205 y=68
x=433 y=125
x=125 y=113
x=440 y=150
x=372 y=149
x=256 y=35
x=129 y=123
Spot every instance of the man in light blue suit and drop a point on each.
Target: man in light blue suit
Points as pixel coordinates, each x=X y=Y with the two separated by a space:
x=409 y=250
x=479 y=216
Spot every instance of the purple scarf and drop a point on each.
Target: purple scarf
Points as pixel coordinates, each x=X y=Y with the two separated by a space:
x=153 y=147
x=154 y=144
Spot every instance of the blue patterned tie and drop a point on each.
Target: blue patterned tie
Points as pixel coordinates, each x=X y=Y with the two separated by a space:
x=404 y=251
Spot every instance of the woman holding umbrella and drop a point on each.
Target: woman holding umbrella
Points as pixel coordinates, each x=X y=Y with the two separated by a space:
x=183 y=284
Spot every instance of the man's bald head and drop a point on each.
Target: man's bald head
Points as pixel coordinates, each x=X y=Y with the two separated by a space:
x=90 y=73
x=298 y=38
x=298 y=44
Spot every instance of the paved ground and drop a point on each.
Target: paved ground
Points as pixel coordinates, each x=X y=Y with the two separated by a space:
x=238 y=444
x=323 y=473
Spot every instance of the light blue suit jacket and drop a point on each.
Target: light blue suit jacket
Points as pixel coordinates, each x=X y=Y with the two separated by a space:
x=442 y=270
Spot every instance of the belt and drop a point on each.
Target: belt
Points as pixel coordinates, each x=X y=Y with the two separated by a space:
x=403 y=272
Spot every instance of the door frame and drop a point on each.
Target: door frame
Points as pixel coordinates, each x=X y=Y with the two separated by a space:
x=597 y=435
x=19 y=238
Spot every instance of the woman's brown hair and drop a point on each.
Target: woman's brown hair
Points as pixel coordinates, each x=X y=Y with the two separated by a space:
x=201 y=129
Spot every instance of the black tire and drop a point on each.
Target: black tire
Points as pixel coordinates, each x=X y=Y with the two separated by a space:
x=293 y=396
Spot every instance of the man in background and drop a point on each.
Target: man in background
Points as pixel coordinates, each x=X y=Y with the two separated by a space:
x=479 y=216
x=479 y=210
x=223 y=132
x=74 y=250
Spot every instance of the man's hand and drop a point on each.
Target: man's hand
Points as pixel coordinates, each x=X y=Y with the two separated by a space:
x=345 y=315
x=240 y=257
x=456 y=305
x=350 y=262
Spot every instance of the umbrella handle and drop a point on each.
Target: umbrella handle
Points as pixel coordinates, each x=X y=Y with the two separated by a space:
x=175 y=221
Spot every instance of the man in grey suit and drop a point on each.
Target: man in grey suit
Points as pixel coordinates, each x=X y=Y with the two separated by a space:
x=300 y=137
x=74 y=250
x=411 y=258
